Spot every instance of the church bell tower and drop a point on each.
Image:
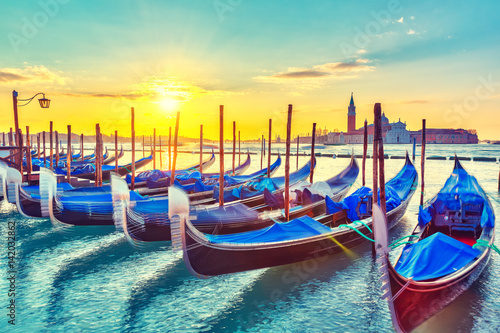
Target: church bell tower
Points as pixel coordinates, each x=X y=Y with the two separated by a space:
x=351 y=116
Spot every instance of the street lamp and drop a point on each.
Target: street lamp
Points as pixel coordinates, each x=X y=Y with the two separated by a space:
x=44 y=103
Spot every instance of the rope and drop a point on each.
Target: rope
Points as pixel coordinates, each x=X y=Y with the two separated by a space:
x=363 y=223
x=397 y=243
x=359 y=232
x=482 y=242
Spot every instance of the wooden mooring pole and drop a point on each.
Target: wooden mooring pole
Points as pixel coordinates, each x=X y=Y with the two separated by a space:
x=287 y=162
x=28 y=153
x=381 y=160
x=269 y=149
x=376 y=124
x=414 y=147
x=365 y=149
x=38 y=145
x=297 y=164
x=262 y=152
x=97 y=155
x=57 y=148
x=234 y=145
x=221 y=155
x=422 y=164
x=68 y=160
x=176 y=135
x=311 y=173
x=201 y=148
x=116 y=152
x=132 y=131
x=169 y=148
x=154 y=148
x=44 y=157
x=51 y=143
x=161 y=160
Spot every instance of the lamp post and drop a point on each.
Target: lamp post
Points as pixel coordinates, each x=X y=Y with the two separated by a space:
x=44 y=103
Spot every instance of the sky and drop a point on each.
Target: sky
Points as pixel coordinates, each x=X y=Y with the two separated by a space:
x=95 y=60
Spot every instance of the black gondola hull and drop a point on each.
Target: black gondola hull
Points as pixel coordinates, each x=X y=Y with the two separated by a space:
x=215 y=259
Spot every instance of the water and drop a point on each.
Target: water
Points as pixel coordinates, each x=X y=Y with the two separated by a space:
x=91 y=279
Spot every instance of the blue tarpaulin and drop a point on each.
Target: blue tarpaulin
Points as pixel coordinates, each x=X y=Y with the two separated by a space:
x=299 y=228
x=460 y=188
x=102 y=203
x=229 y=213
x=350 y=203
x=145 y=175
x=435 y=256
x=253 y=188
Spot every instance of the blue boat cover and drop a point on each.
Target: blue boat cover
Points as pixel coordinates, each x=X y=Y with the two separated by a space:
x=231 y=213
x=157 y=205
x=36 y=189
x=298 y=228
x=274 y=201
x=403 y=181
x=98 y=203
x=349 y=203
x=253 y=188
x=396 y=190
x=435 y=256
x=145 y=175
x=460 y=188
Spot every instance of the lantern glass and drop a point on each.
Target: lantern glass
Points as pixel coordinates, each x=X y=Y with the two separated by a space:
x=44 y=103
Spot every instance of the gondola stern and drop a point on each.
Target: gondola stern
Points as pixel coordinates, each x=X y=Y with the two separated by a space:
x=382 y=253
x=48 y=188
x=13 y=180
x=120 y=195
x=457 y=165
x=178 y=213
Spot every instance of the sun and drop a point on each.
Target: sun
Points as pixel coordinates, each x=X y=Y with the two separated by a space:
x=169 y=104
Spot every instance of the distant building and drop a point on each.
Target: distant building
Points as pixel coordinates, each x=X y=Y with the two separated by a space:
x=446 y=136
x=391 y=132
x=351 y=115
x=396 y=132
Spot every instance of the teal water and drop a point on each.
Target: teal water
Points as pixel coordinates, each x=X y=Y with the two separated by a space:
x=90 y=279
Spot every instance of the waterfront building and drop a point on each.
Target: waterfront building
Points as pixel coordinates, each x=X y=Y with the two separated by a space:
x=396 y=132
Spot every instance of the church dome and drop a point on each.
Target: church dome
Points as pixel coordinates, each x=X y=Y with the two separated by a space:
x=384 y=119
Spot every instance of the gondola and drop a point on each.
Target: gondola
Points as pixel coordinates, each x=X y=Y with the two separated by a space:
x=78 y=163
x=84 y=206
x=111 y=159
x=190 y=178
x=148 y=221
x=27 y=198
x=300 y=239
x=445 y=254
x=141 y=179
x=88 y=171
x=3 y=178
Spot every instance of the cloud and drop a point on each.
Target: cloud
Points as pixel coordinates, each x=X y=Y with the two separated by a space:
x=32 y=74
x=339 y=70
x=411 y=32
x=157 y=89
x=400 y=20
x=9 y=77
x=416 y=101
x=306 y=74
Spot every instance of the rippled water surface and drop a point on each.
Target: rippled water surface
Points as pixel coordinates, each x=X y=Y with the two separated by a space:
x=90 y=278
